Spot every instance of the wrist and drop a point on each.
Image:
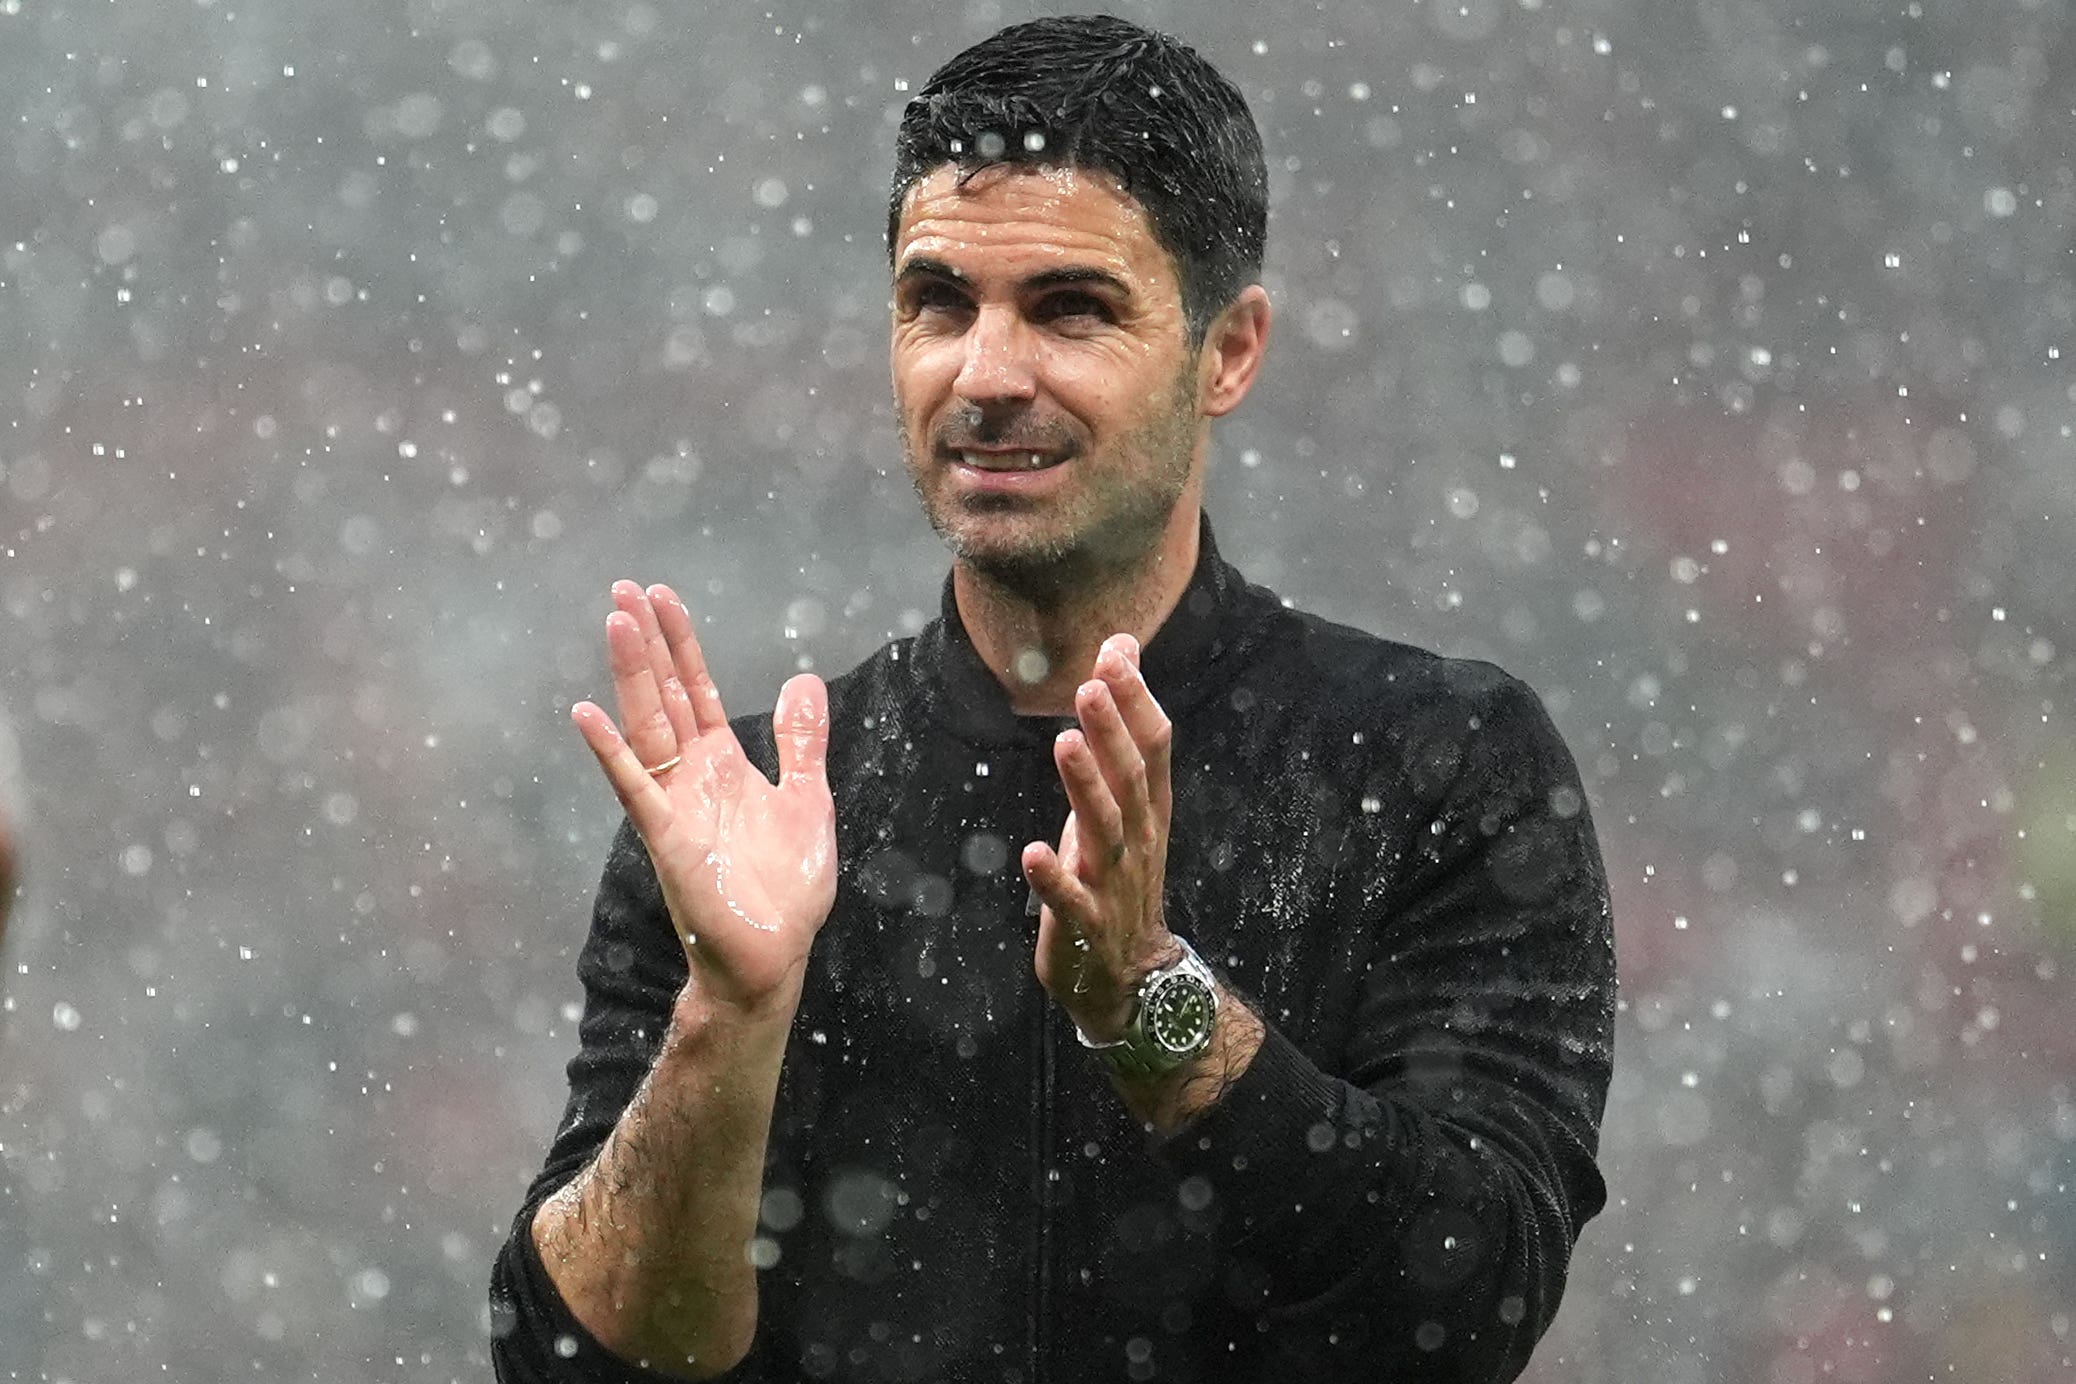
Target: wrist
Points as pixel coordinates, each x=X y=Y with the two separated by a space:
x=1171 y=1021
x=697 y=1009
x=1111 y=1017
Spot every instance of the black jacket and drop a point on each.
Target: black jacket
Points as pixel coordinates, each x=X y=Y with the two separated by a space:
x=1387 y=852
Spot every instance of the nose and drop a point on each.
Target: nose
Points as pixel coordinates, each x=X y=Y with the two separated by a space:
x=998 y=366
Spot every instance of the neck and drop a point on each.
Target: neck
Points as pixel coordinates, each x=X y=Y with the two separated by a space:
x=1042 y=645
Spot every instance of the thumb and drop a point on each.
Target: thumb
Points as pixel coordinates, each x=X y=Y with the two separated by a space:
x=800 y=725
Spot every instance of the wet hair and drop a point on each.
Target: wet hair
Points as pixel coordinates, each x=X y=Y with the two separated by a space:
x=1100 y=93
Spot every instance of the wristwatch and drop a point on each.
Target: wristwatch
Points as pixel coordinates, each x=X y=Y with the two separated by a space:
x=1176 y=1008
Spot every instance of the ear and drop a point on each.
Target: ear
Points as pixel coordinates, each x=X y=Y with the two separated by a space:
x=1232 y=352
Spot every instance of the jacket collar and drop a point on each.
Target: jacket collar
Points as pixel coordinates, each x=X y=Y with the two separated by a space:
x=1188 y=656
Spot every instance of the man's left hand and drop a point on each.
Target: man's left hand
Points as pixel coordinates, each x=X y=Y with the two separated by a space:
x=1101 y=927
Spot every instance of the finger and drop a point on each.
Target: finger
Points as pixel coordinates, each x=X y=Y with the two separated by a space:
x=1117 y=756
x=645 y=724
x=634 y=601
x=1096 y=815
x=1058 y=886
x=1151 y=730
x=800 y=724
x=644 y=801
x=1062 y=948
x=690 y=661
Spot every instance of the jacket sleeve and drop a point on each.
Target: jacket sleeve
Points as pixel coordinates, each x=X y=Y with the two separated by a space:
x=1415 y=1209
x=632 y=969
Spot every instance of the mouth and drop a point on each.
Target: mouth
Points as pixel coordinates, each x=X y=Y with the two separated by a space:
x=1006 y=461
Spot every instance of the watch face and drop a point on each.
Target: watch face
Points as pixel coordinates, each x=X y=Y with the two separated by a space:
x=1178 y=1014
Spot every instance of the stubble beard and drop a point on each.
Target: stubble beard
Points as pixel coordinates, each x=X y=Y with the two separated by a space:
x=1106 y=529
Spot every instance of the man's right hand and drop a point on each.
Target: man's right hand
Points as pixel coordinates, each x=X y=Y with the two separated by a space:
x=748 y=869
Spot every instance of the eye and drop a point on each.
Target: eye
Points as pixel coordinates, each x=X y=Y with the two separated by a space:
x=1073 y=304
x=935 y=296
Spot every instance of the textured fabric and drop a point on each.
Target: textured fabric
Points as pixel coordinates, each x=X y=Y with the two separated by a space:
x=1387 y=853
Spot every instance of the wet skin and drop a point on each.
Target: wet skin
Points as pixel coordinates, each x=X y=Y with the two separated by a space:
x=1034 y=311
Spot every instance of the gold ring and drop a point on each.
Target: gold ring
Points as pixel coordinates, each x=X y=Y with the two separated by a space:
x=658 y=770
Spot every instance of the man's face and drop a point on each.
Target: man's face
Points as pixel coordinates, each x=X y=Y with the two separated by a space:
x=1047 y=388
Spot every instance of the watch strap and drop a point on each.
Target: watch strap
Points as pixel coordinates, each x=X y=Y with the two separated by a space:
x=1137 y=1053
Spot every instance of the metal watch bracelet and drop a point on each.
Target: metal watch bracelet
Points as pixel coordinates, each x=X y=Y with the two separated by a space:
x=1185 y=991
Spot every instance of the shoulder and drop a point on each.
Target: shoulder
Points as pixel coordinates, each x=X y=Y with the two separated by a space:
x=1421 y=714
x=1343 y=665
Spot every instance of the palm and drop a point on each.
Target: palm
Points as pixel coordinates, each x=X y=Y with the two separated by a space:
x=747 y=867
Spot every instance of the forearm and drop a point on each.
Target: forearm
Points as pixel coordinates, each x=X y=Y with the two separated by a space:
x=1433 y=1224
x=648 y=1246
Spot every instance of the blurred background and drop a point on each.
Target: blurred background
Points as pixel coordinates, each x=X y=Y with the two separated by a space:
x=1706 y=364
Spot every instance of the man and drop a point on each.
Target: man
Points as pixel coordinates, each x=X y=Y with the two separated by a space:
x=1285 y=1062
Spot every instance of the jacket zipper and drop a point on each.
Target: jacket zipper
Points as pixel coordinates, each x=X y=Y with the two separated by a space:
x=1041 y=1154
x=1054 y=807
x=1046 y=1191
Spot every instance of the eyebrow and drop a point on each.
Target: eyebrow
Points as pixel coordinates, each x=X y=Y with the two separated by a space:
x=924 y=267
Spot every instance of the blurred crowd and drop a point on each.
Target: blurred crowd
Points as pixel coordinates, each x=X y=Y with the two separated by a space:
x=1707 y=366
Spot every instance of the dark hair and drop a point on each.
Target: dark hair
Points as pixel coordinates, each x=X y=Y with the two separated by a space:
x=1101 y=93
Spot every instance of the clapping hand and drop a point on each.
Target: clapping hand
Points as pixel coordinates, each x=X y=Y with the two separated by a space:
x=748 y=868
x=1101 y=927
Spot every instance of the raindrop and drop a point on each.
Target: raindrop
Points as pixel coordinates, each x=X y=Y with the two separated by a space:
x=471 y=58
x=116 y=244
x=984 y=853
x=860 y=1202
x=1330 y=324
x=417 y=116
x=781 y=1209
